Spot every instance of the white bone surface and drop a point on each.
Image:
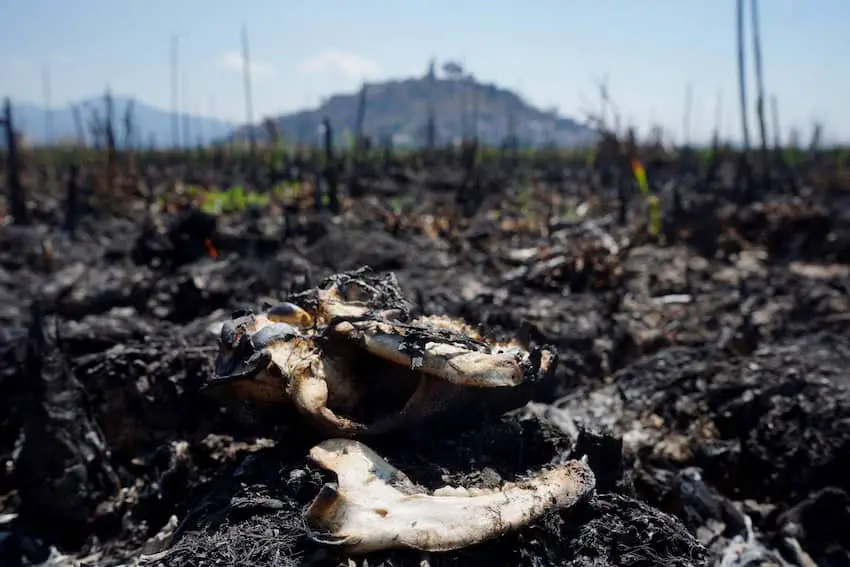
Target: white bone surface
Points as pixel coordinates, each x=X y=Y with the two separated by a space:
x=450 y=362
x=377 y=507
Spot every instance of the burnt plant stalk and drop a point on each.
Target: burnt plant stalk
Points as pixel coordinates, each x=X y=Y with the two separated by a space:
x=78 y=126
x=48 y=106
x=431 y=123
x=96 y=130
x=187 y=122
x=711 y=170
x=109 y=132
x=361 y=119
x=249 y=99
x=72 y=202
x=757 y=57
x=360 y=146
x=17 y=195
x=777 y=131
x=512 y=142
x=474 y=118
x=330 y=168
x=743 y=175
x=686 y=118
x=175 y=114
x=789 y=173
x=129 y=133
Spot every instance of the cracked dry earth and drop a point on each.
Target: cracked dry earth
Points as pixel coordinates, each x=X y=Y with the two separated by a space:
x=708 y=393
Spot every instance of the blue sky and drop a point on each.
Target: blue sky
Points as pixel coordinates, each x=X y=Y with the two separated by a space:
x=552 y=51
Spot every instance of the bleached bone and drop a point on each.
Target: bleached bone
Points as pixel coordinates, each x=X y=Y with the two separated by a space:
x=376 y=507
x=450 y=362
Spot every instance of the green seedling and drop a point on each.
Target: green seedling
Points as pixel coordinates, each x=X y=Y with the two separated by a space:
x=653 y=201
x=234 y=200
x=396 y=205
x=287 y=191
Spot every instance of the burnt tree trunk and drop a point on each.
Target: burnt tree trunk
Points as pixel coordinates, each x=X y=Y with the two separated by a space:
x=63 y=469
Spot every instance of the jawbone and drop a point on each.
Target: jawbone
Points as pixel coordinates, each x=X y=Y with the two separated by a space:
x=376 y=507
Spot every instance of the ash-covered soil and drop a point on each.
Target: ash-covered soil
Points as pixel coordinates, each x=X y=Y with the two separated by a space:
x=704 y=376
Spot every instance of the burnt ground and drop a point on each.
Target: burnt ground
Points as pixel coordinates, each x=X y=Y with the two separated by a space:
x=705 y=377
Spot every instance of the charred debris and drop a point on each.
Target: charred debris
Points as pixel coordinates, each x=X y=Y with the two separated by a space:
x=689 y=310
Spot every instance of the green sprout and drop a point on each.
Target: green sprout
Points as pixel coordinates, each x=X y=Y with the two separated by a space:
x=652 y=200
x=236 y=199
x=287 y=191
x=396 y=205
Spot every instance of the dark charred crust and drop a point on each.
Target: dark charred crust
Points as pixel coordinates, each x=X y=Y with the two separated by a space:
x=228 y=338
x=532 y=366
x=241 y=312
x=235 y=368
x=307 y=300
x=415 y=335
x=362 y=286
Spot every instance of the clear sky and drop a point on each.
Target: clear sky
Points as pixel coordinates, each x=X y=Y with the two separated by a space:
x=552 y=51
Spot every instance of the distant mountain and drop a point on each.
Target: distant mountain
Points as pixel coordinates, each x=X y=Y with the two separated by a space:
x=396 y=109
x=152 y=125
x=399 y=109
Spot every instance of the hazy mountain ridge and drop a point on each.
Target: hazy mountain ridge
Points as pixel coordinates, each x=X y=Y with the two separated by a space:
x=396 y=108
x=152 y=125
x=399 y=108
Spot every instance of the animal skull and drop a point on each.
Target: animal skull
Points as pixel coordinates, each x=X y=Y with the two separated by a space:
x=351 y=356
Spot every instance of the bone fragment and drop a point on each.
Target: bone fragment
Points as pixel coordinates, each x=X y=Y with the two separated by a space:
x=450 y=362
x=376 y=507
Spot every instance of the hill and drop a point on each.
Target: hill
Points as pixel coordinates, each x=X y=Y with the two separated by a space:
x=399 y=109
x=152 y=125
